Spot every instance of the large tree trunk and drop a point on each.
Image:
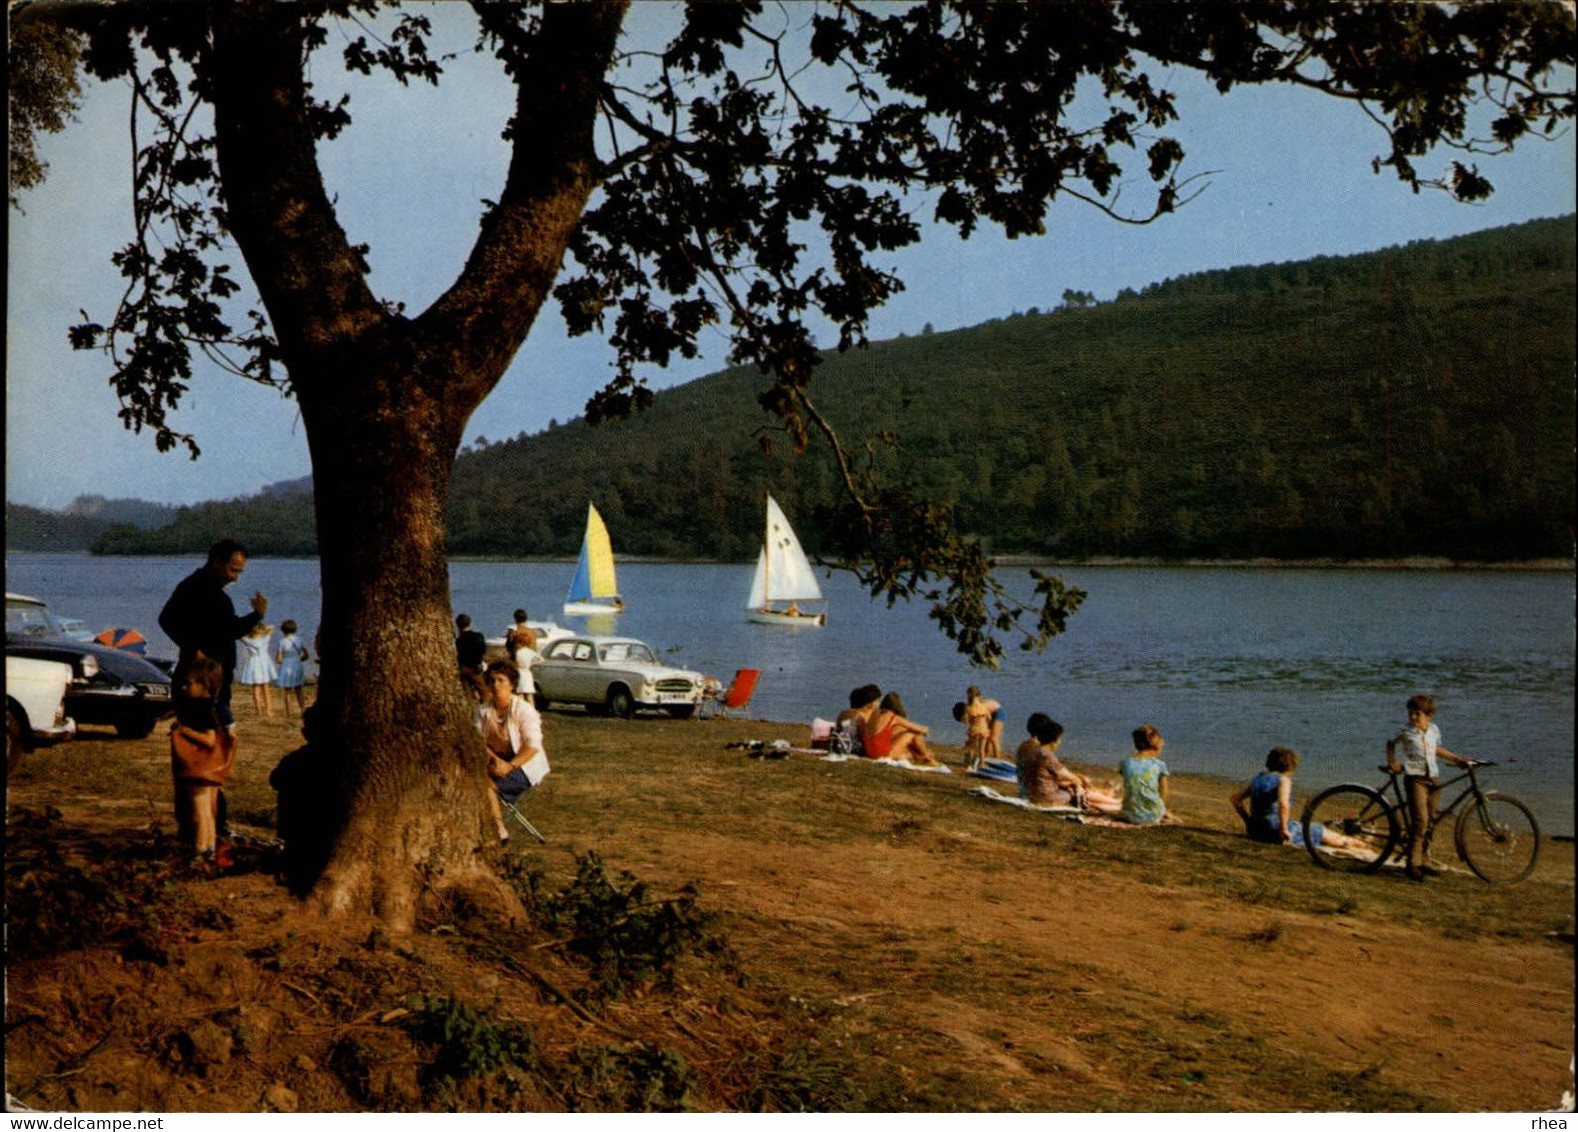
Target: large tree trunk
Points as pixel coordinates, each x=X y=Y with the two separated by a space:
x=385 y=400
x=413 y=785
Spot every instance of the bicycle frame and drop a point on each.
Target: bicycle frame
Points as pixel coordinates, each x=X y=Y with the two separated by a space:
x=1399 y=801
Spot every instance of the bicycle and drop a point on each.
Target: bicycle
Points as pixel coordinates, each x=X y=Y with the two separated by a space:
x=1496 y=834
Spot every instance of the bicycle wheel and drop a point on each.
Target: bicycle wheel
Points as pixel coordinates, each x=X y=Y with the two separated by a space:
x=1358 y=813
x=1499 y=839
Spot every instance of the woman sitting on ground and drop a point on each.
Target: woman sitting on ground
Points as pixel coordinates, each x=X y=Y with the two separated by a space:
x=849 y=729
x=512 y=731
x=888 y=735
x=1045 y=781
x=1270 y=798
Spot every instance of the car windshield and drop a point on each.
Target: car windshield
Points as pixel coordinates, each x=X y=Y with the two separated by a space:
x=28 y=618
x=625 y=652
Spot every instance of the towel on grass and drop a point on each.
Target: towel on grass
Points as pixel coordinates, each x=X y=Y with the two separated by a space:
x=1069 y=813
x=902 y=764
x=995 y=773
x=1023 y=803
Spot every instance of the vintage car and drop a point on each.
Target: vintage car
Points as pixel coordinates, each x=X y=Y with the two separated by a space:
x=109 y=687
x=547 y=633
x=35 y=705
x=615 y=675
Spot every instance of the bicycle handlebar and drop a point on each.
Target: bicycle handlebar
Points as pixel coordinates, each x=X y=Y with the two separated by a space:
x=1468 y=764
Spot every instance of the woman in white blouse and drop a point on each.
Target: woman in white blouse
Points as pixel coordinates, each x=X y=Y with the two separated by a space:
x=512 y=732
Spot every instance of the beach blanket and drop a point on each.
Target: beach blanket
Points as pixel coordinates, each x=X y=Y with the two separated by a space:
x=996 y=770
x=1024 y=803
x=902 y=764
x=1068 y=813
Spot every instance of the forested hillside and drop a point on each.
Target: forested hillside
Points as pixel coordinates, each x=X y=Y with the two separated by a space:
x=79 y=523
x=1417 y=400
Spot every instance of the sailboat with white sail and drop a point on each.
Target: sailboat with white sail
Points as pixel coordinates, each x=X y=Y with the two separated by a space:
x=784 y=579
x=593 y=590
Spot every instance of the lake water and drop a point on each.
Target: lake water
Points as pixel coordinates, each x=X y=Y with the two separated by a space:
x=1226 y=662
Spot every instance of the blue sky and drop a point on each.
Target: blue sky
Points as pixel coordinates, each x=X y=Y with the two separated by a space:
x=1290 y=179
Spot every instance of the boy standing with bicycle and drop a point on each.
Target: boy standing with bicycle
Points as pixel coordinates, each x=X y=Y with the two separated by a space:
x=1419 y=743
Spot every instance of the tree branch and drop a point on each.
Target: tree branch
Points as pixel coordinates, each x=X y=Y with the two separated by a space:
x=310 y=276
x=558 y=72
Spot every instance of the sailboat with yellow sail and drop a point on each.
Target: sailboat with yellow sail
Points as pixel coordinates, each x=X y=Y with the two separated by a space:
x=593 y=590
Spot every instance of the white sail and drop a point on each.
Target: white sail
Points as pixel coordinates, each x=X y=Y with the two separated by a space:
x=758 y=596
x=788 y=572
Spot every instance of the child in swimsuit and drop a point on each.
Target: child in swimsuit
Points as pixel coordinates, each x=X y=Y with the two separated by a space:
x=983 y=721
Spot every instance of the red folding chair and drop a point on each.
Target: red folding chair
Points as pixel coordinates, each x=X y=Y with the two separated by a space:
x=739 y=692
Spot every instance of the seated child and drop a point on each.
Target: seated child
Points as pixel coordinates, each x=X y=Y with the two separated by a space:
x=307 y=814
x=1270 y=798
x=1145 y=778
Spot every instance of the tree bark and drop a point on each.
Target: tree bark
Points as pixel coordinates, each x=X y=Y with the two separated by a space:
x=385 y=401
x=414 y=823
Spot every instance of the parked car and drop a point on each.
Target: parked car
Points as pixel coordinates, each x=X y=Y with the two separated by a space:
x=109 y=687
x=35 y=705
x=547 y=633
x=616 y=675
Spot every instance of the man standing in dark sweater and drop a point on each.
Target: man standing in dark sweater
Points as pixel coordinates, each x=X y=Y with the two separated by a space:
x=199 y=617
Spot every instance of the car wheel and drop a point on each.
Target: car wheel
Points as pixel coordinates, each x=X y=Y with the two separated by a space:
x=620 y=704
x=681 y=711
x=134 y=728
x=15 y=741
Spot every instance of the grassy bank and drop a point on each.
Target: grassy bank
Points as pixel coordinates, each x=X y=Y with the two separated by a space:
x=817 y=935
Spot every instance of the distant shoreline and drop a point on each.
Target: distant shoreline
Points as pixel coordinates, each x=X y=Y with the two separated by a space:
x=1543 y=565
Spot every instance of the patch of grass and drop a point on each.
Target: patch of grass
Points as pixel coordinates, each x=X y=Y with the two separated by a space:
x=815 y=1076
x=1268 y=933
x=1362 y=1090
x=644 y=1078
x=464 y=1043
x=127 y=899
x=624 y=934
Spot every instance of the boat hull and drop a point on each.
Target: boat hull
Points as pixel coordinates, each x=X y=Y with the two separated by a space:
x=792 y=620
x=590 y=609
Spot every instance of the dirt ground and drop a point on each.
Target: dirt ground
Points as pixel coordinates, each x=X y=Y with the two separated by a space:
x=877 y=939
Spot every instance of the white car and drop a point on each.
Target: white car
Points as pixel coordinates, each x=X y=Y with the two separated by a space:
x=35 y=705
x=547 y=633
x=615 y=675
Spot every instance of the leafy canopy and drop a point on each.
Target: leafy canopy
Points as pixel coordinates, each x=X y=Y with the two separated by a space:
x=758 y=169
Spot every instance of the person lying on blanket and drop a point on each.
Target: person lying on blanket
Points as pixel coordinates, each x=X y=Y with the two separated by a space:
x=1045 y=781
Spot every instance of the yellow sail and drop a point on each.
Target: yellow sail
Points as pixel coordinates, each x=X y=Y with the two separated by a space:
x=599 y=557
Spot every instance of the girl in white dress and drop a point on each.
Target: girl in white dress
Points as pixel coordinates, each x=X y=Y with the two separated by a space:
x=257 y=667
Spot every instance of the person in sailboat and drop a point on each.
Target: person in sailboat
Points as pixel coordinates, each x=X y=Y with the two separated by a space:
x=890 y=735
x=512 y=731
